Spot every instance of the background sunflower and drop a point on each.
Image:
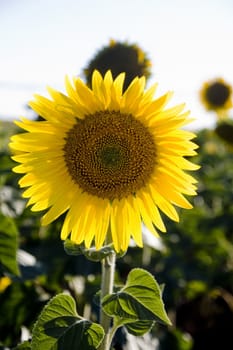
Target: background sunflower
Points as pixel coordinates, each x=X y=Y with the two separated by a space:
x=216 y=95
x=119 y=57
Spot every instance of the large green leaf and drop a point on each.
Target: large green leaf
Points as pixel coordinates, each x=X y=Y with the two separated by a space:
x=139 y=300
x=8 y=245
x=59 y=327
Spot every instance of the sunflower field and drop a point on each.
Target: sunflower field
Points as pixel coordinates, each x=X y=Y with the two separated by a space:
x=105 y=168
x=195 y=262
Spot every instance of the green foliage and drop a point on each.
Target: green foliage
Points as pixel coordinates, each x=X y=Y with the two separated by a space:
x=175 y=340
x=26 y=345
x=59 y=326
x=20 y=305
x=8 y=245
x=138 y=304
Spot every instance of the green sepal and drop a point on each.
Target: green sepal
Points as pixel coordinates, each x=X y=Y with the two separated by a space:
x=138 y=304
x=72 y=248
x=59 y=327
x=91 y=253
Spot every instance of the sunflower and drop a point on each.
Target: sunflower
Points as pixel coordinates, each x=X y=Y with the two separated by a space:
x=119 y=57
x=216 y=95
x=5 y=281
x=111 y=161
x=224 y=129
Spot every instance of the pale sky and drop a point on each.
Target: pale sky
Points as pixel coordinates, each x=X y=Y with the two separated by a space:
x=41 y=41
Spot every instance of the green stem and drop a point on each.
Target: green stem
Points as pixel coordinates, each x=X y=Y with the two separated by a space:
x=112 y=332
x=107 y=282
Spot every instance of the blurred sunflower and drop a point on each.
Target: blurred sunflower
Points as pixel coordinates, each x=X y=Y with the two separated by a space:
x=5 y=281
x=110 y=160
x=216 y=95
x=224 y=129
x=119 y=57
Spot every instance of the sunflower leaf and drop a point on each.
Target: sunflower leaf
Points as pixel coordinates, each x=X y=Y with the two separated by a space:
x=139 y=328
x=60 y=327
x=8 y=245
x=139 y=300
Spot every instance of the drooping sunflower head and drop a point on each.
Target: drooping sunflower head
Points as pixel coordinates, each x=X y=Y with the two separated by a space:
x=224 y=130
x=216 y=95
x=111 y=160
x=120 y=57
